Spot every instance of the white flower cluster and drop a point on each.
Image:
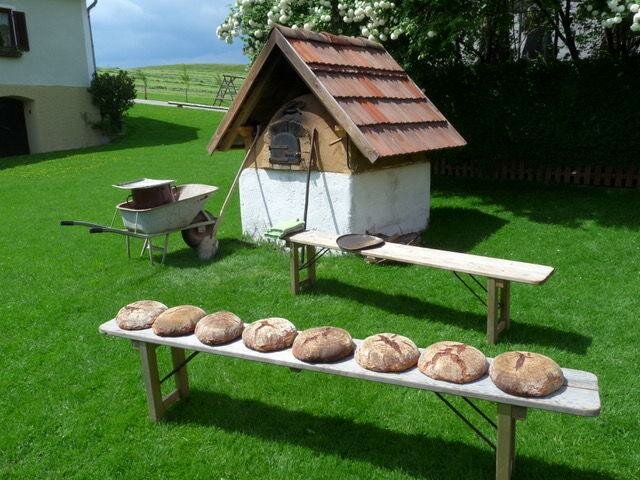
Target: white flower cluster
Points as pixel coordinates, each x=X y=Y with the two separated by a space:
x=617 y=11
x=375 y=17
x=252 y=19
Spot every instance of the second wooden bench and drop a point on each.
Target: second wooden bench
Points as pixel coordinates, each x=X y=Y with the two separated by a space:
x=499 y=272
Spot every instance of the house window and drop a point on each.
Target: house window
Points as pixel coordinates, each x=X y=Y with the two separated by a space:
x=13 y=33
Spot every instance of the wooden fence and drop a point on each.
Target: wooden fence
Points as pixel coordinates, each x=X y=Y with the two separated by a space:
x=609 y=176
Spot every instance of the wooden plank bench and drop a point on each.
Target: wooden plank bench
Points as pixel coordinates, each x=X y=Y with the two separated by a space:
x=580 y=396
x=499 y=272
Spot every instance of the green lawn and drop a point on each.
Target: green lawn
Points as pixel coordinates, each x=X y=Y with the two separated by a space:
x=165 y=83
x=72 y=403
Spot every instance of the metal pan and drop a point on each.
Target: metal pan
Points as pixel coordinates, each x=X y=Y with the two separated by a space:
x=353 y=242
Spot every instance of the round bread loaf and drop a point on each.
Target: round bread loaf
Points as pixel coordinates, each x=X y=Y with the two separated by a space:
x=139 y=315
x=387 y=352
x=178 y=321
x=453 y=362
x=526 y=374
x=323 y=344
x=218 y=328
x=269 y=334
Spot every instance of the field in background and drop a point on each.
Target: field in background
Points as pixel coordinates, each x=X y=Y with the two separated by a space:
x=165 y=81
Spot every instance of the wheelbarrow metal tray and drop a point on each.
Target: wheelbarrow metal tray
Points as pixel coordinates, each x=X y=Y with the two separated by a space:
x=190 y=200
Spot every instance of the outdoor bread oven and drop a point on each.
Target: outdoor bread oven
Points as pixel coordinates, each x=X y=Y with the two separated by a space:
x=342 y=111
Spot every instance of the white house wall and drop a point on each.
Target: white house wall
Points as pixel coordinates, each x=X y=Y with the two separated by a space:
x=59 y=53
x=51 y=79
x=394 y=200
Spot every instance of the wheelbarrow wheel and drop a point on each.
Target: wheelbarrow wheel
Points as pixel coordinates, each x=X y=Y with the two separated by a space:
x=194 y=236
x=201 y=238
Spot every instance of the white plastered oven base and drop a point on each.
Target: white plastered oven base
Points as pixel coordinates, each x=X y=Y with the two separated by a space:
x=388 y=201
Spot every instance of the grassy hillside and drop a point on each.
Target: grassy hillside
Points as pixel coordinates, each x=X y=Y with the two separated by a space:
x=165 y=81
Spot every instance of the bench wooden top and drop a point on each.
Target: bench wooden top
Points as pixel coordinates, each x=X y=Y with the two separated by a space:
x=460 y=262
x=580 y=396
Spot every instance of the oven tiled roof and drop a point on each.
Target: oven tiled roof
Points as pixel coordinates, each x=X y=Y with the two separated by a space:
x=368 y=93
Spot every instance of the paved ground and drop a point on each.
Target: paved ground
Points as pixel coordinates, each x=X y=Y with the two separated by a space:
x=194 y=106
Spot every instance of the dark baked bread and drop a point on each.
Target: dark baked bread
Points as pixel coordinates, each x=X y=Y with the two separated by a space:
x=526 y=374
x=139 y=315
x=387 y=352
x=323 y=344
x=453 y=362
x=178 y=321
x=269 y=334
x=218 y=328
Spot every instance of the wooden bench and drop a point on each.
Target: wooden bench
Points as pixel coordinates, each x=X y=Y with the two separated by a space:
x=499 y=272
x=580 y=396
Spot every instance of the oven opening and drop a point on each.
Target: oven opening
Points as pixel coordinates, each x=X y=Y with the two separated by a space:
x=285 y=142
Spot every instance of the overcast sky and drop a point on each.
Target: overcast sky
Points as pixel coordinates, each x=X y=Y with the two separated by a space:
x=132 y=33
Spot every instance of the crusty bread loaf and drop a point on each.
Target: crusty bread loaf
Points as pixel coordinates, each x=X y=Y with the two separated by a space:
x=453 y=362
x=323 y=344
x=178 y=321
x=219 y=328
x=526 y=374
x=387 y=352
x=269 y=334
x=139 y=315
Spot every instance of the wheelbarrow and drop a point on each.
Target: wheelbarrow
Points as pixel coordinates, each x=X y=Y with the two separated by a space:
x=158 y=208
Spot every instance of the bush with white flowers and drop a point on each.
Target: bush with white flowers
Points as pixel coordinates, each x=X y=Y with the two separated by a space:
x=614 y=12
x=252 y=19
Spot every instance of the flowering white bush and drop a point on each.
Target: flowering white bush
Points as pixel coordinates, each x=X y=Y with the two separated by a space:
x=614 y=12
x=253 y=19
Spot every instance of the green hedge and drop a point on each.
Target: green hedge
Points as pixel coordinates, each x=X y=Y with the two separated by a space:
x=540 y=113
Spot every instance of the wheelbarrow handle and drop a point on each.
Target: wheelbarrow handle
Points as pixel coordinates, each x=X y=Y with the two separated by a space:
x=97 y=230
x=79 y=223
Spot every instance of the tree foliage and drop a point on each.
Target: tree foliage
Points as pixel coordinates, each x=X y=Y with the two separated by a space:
x=440 y=32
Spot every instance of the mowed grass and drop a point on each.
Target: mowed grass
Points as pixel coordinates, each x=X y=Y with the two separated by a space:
x=165 y=81
x=73 y=405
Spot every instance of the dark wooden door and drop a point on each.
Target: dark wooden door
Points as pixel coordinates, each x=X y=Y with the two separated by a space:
x=13 y=130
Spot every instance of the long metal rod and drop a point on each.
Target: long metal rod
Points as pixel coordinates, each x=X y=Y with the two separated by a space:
x=306 y=191
x=314 y=259
x=475 y=294
x=235 y=182
x=178 y=367
x=478 y=282
x=466 y=421
x=480 y=412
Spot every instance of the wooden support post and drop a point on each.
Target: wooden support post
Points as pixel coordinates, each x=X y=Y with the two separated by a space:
x=151 y=379
x=181 y=376
x=505 y=304
x=498 y=308
x=506 y=440
x=311 y=269
x=492 y=311
x=294 y=268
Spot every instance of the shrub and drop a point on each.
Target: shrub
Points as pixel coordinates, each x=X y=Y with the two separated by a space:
x=113 y=94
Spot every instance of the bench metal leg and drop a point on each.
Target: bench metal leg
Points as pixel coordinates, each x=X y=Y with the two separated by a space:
x=498 y=305
x=506 y=440
x=151 y=378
